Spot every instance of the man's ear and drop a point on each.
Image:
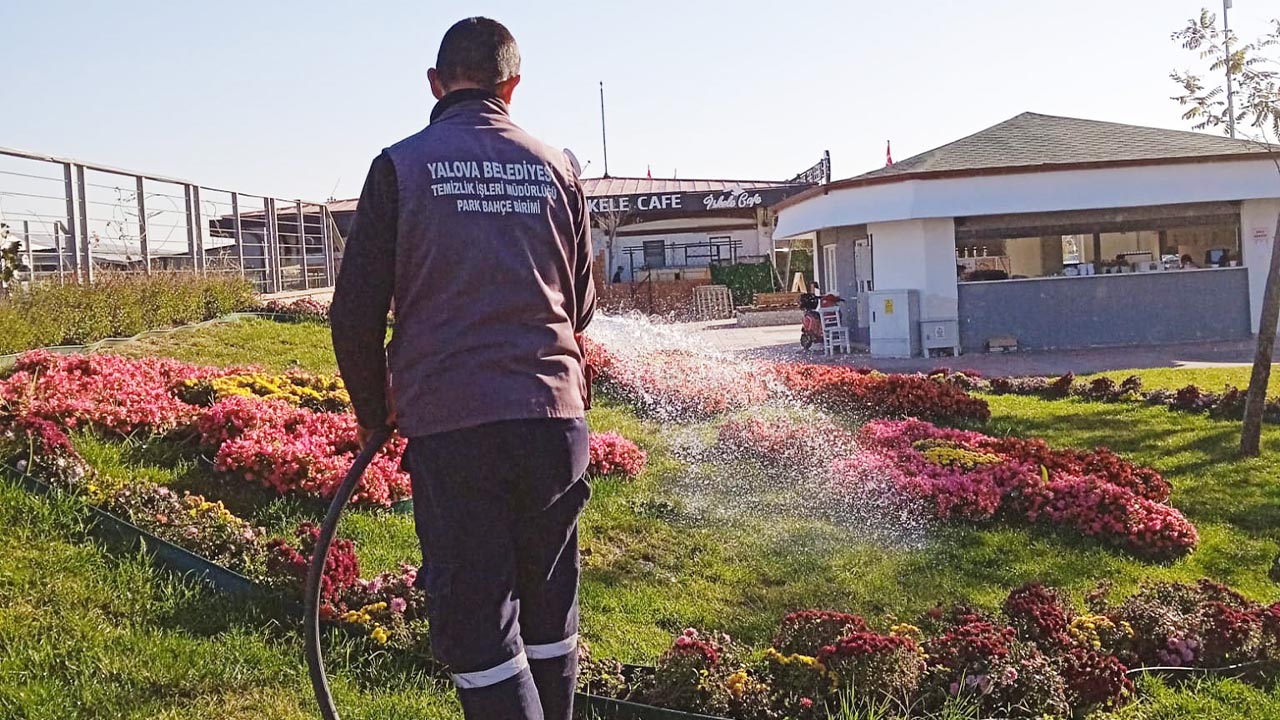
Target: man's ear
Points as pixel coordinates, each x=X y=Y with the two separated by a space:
x=437 y=86
x=506 y=88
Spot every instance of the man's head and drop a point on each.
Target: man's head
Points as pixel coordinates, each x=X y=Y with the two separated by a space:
x=476 y=53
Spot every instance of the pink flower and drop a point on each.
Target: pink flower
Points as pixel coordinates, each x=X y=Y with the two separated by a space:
x=612 y=453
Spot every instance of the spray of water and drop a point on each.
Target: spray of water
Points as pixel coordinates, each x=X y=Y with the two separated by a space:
x=780 y=483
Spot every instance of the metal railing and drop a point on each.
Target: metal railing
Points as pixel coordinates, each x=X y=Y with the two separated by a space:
x=699 y=253
x=75 y=220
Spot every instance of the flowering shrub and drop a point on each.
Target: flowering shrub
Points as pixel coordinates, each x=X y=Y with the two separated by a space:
x=103 y=392
x=41 y=449
x=1094 y=679
x=807 y=632
x=231 y=418
x=305 y=308
x=970 y=648
x=315 y=392
x=612 y=454
x=306 y=453
x=286 y=568
x=801 y=684
x=1099 y=633
x=396 y=589
x=685 y=675
x=1204 y=624
x=1039 y=615
x=844 y=389
x=875 y=667
x=969 y=476
x=204 y=527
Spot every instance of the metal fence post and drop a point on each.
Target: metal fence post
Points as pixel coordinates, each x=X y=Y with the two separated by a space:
x=236 y=231
x=198 y=224
x=31 y=258
x=191 y=236
x=60 y=231
x=69 y=235
x=85 y=248
x=326 y=243
x=142 y=228
x=302 y=244
x=273 y=247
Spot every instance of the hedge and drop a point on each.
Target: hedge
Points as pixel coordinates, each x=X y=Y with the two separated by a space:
x=744 y=280
x=116 y=306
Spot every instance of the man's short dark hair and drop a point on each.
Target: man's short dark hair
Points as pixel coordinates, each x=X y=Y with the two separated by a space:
x=478 y=50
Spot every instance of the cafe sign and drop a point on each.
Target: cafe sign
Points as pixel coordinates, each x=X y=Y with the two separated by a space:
x=731 y=200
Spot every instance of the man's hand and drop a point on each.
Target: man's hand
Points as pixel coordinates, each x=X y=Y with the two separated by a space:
x=363 y=433
x=588 y=370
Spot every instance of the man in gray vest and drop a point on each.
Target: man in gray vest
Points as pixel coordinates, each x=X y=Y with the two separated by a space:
x=480 y=234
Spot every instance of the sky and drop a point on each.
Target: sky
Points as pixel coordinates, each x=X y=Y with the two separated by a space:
x=294 y=99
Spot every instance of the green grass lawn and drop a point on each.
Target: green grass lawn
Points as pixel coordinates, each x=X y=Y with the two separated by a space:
x=651 y=567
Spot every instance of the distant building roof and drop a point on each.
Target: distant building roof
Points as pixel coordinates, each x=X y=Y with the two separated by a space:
x=341 y=205
x=1031 y=139
x=607 y=186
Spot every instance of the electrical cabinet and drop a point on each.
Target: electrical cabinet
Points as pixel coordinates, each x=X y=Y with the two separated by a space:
x=895 y=322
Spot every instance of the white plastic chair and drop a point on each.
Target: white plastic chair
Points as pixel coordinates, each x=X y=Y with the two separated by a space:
x=834 y=332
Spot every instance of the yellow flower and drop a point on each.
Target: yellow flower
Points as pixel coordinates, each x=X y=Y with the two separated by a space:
x=958 y=457
x=905 y=630
x=379 y=635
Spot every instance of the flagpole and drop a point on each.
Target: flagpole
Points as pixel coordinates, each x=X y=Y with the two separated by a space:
x=604 y=137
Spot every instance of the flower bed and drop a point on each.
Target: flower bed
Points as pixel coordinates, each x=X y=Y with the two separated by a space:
x=291 y=433
x=969 y=476
x=678 y=385
x=1225 y=405
x=1038 y=658
x=305 y=308
x=876 y=395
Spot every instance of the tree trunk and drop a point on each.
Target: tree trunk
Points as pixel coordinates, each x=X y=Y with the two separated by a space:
x=1256 y=400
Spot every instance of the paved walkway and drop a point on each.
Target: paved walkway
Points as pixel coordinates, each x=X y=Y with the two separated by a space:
x=783 y=342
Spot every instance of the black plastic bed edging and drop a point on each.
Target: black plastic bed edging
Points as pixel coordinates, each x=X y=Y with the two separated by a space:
x=624 y=710
x=172 y=557
x=183 y=562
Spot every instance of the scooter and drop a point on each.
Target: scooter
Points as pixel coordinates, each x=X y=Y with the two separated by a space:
x=811 y=326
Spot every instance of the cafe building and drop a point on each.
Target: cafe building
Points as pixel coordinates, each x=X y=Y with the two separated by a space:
x=1048 y=232
x=666 y=230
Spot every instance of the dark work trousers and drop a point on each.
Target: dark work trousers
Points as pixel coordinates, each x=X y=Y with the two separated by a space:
x=496 y=508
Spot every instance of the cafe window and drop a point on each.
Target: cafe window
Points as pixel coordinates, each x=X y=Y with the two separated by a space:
x=829 y=276
x=655 y=253
x=1087 y=253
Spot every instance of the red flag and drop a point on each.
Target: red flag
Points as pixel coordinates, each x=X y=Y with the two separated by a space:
x=647 y=172
x=888 y=154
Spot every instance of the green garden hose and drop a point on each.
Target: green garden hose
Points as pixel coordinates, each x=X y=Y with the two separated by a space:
x=319 y=557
